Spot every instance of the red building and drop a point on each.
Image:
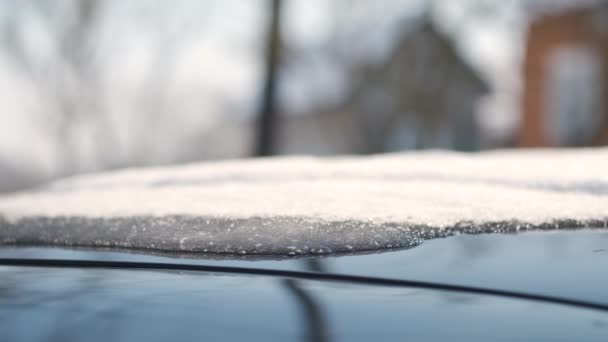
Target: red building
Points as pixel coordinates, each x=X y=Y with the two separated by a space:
x=565 y=97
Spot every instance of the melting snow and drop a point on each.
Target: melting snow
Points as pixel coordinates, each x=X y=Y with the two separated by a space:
x=301 y=205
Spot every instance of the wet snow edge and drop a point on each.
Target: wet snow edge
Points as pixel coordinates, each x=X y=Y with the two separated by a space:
x=255 y=236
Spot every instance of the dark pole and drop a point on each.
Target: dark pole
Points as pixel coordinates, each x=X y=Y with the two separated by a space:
x=266 y=132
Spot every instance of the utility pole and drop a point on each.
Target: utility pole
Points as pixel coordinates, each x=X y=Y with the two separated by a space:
x=267 y=115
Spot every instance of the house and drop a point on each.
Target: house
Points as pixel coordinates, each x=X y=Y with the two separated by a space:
x=565 y=78
x=422 y=95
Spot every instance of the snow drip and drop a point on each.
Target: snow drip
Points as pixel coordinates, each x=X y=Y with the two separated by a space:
x=302 y=206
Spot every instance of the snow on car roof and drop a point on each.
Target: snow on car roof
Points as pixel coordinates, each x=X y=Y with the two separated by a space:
x=302 y=205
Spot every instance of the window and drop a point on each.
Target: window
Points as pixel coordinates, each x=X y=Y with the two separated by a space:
x=573 y=96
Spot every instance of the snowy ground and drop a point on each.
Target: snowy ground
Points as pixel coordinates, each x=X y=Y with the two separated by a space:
x=301 y=205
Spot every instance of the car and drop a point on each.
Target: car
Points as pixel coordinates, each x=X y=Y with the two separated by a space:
x=531 y=286
x=424 y=247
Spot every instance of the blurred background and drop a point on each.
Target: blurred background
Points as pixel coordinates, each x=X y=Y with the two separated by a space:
x=88 y=85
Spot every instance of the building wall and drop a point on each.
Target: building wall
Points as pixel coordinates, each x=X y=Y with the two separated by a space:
x=581 y=28
x=323 y=133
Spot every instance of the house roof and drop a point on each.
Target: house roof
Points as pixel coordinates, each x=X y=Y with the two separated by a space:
x=331 y=78
x=452 y=50
x=419 y=32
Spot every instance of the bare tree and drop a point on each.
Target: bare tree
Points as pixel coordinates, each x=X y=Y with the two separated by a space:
x=66 y=78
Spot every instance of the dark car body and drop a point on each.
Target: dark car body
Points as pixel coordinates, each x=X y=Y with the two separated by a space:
x=540 y=286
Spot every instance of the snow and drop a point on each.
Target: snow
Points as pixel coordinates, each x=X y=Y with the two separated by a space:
x=302 y=205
